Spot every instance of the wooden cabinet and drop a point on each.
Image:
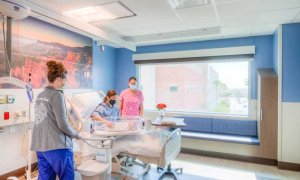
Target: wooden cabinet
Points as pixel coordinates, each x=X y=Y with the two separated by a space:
x=267 y=112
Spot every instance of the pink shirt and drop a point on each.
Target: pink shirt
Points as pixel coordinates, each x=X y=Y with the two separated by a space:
x=131 y=102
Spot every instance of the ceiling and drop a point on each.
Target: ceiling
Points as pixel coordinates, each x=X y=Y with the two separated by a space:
x=156 y=22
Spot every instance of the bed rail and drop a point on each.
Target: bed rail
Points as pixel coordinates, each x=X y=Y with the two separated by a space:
x=171 y=148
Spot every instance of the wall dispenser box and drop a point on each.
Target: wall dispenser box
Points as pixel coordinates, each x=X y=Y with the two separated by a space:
x=3 y=99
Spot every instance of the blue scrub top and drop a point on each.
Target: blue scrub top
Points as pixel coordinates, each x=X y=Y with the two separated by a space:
x=104 y=110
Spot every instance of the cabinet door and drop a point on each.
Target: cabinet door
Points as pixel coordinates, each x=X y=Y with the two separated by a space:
x=268 y=116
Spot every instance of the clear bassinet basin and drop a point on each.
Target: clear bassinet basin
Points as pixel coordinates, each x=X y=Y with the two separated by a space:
x=119 y=124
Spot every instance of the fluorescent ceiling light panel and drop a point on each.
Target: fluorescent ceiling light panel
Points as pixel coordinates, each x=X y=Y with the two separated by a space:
x=103 y=12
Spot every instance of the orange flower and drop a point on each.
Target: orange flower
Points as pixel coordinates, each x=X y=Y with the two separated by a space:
x=161 y=106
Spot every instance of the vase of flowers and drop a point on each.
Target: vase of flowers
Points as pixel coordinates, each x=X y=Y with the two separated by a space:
x=161 y=110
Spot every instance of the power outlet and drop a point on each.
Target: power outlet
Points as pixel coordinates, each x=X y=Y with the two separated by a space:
x=17 y=115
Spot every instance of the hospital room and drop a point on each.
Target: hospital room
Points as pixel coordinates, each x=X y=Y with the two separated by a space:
x=149 y=90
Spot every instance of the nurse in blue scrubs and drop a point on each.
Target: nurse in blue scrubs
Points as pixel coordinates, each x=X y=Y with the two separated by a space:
x=107 y=109
x=52 y=134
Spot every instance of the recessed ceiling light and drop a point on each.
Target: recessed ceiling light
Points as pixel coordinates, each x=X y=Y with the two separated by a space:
x=102 y=12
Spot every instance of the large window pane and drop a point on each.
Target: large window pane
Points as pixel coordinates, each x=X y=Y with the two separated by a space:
x=217 y=87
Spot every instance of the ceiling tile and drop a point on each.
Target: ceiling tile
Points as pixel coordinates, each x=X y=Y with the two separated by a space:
x=297 y=19
x=199 y=14
x=165 y=28
x=264 y=29
x=166 y=18
x=60 y=5
x=271 y=5
x=147 y=21
x=233 y=8
x=110 y=27
x=280 y=17
x=148 y=7
x=233 y=21
x=236 y=18
x=104 y=24
x=237 y=31
x=144 y=31
x=201 y=25
x=134 y=22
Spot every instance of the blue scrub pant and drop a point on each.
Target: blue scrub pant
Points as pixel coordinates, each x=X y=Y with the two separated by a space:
x=56 y=163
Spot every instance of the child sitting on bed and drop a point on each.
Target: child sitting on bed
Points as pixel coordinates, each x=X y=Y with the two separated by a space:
x=107 y=108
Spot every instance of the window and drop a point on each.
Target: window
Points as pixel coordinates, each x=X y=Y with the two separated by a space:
x=197 y=87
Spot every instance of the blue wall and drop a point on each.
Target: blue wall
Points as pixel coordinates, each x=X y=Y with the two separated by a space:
x=275 y=51
x=263 y=56
x=124 y=69
x=104 y=64
x=291 y=62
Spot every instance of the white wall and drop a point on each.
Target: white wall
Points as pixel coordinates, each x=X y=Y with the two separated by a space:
x=288 y=118
x=290 y=141
x=13 y=148
x=13 y=145
x=14 y=141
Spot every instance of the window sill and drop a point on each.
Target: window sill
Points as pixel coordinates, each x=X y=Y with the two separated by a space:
x=221 y=137
x=203 y=115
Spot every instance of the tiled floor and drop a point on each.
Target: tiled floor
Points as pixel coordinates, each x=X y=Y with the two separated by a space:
x=207 y=168
x=219 y=167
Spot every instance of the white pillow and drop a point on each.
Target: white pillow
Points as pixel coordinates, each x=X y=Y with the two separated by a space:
x=86 y=103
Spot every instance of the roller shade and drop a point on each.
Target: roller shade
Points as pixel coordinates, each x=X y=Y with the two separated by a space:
x=216 y=54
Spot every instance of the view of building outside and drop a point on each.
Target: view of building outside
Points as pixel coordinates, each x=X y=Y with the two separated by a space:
x=197 y=87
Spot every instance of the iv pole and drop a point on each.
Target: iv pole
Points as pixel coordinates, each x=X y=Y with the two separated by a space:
x=29 y=93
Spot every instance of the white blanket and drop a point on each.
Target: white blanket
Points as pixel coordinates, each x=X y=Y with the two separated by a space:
x=143 y=144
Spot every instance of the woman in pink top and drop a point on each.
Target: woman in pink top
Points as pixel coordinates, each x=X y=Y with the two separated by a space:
x=131 y=100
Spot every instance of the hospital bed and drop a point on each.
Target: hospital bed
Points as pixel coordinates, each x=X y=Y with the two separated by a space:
x=162 y=155
x=128 y=147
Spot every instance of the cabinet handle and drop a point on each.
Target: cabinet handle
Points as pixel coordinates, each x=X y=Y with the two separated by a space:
x=261 y=114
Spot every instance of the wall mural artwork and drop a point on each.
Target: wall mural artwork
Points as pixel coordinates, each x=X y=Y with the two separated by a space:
x=35 y=42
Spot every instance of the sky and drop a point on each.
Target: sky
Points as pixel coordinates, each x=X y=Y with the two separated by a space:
x=233 y=74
